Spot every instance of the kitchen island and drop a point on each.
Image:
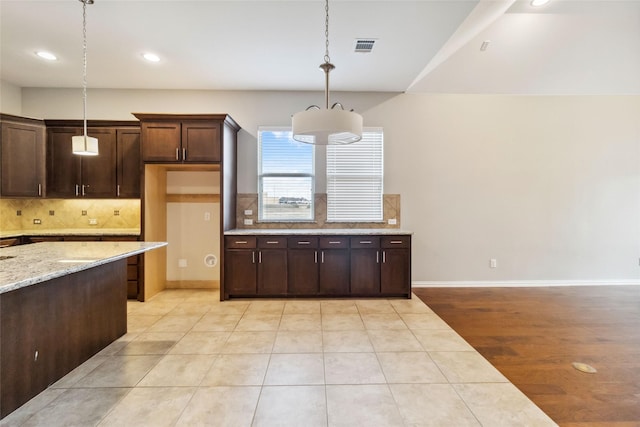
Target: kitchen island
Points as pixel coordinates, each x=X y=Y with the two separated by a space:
x=60 y=303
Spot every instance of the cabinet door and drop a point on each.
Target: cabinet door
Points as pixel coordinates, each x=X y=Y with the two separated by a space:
x=272 y=272
x=395 y=272
x=63 y=167
x=200 y=141
x=128 y=163
x=334 y=272
x=240 y=272
x=23 y=160
x=98 y=173
x=161 y=142
x=302 y=272
x=365 y=272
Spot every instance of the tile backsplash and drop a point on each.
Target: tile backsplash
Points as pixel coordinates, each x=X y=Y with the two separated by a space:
x=249 y=201
x=24 y=214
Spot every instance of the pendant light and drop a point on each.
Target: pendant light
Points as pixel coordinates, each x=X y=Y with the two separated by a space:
x=325 y=126
x=84 y=145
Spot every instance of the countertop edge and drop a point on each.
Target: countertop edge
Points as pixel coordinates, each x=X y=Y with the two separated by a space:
x=74 y=268
x=317 y=231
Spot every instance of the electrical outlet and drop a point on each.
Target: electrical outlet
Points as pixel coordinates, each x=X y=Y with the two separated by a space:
x=392 y=221
x=248 y=222
x=93 y=221
x=207 y=216
x=493 y=263
x=248 y=212
x=37 y=221
x=182 y=263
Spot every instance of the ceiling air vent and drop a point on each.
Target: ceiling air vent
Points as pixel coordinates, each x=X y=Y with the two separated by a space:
x=364 y=45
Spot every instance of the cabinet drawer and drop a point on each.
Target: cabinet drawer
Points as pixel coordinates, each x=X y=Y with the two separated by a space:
x=396 y=242
x=365 y=242
x=240 y=242
x=302 y=242
x=272 y=242
x=339 y=242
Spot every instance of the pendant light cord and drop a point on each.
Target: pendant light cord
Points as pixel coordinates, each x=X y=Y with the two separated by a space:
x=84 y=64
x=326 y=32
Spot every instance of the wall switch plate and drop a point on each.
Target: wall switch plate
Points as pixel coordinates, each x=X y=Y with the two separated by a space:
x=93 y=221
x=248 y=222
x=493 y=263
x=207 y=216
x=37 y=221
x=392 y=221
x=248 y=212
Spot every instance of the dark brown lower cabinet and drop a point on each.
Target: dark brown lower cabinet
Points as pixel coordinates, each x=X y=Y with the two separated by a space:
x=317 y=266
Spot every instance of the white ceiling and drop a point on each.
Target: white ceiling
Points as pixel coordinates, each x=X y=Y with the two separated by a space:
x=565 y=47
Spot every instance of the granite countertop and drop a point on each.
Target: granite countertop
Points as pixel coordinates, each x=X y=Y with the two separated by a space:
x=71 y=232
x=316 y=231
x=38 y=262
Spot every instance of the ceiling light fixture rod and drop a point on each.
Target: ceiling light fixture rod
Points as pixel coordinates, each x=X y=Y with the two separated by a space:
x=329 y=125
x=84 y=145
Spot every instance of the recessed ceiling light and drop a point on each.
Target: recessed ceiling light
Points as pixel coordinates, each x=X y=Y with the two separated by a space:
x=151 y=57
x=46 y=55
x=536 y=3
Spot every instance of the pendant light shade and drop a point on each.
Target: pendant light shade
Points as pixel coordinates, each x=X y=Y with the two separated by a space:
x=84 y=145
x=329 y=125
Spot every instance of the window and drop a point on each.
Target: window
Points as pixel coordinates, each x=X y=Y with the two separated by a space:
x=354 y=179
x=285 y=177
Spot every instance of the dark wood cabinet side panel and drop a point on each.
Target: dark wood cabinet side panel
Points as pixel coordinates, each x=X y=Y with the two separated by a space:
x=65 y=320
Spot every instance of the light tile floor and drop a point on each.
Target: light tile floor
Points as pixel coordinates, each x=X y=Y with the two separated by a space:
x=190 y=360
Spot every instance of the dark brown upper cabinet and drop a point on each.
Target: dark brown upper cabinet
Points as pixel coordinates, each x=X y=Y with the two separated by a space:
x=22 y=154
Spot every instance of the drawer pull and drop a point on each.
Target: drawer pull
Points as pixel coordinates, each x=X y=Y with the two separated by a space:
x=365 y=242
x=272 y=242
x=304 y=243
x=396 y=242
x=334 y=242
x=240 y=242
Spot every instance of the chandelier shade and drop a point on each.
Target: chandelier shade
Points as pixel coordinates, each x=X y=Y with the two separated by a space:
x=84 y=145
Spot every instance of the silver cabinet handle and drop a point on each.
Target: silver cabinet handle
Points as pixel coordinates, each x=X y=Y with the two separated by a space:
x=83 y=192
x=377 y=257
x=304 y=242
x=184 y=154
x=39 y=189
x=272 y=242
x=315 y=256
x=253 y=257
x=240 y=242
x=118 y=190
x=77 y=190
x=260 y=257
x=396 y=242
x=384 y=257
x=365 y=242
x=177 y=154
x=322 y=257
x=334 y=242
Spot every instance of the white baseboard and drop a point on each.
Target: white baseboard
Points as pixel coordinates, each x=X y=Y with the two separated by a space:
x=519 y=283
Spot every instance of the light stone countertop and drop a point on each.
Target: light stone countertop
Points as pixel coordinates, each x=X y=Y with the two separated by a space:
x=316 y=231
x=70 y=232
x=39 y=262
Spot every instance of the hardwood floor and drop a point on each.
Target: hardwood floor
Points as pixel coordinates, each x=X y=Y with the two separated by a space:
x=532 y=335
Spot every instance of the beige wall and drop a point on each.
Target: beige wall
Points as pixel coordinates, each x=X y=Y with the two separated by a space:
x=549 y=185
x=10 y=98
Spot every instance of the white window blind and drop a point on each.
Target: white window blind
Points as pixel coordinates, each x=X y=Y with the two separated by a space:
x=354 y=179
x=285 y=177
